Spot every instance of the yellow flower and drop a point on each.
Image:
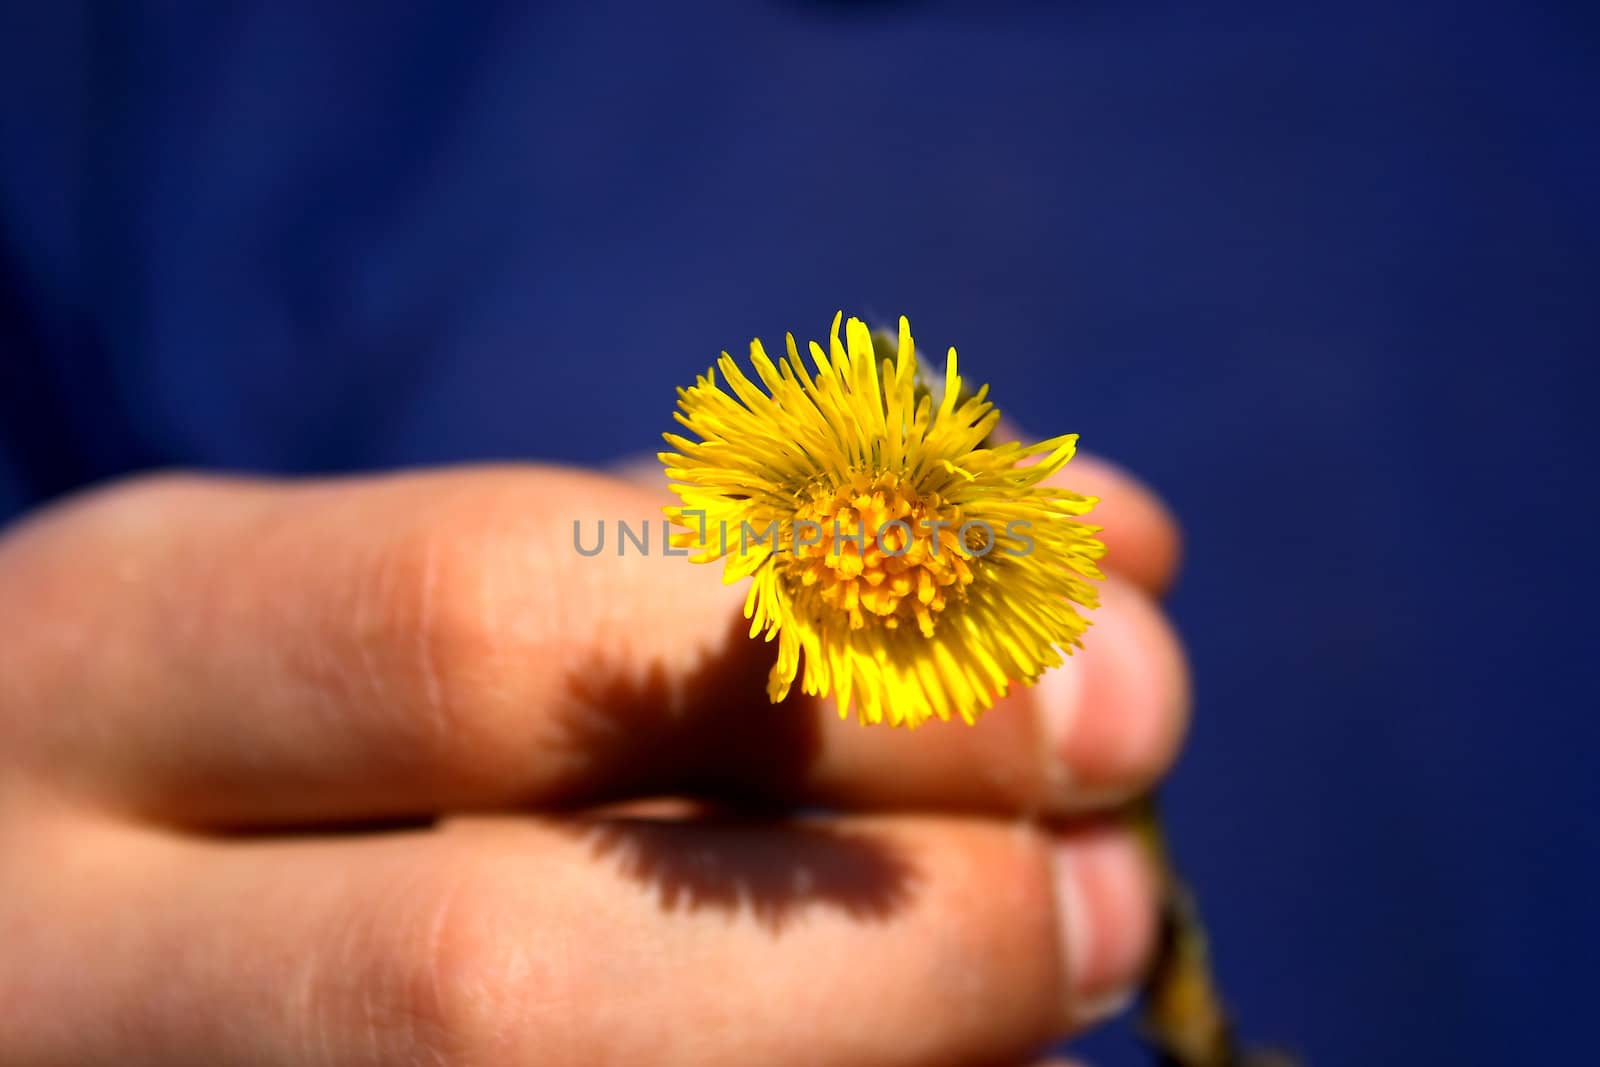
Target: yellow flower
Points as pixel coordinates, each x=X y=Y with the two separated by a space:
x=913 y=567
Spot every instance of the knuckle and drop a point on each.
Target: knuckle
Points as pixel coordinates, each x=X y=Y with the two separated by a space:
x=146 y=499
x=431 y=632
x=159 y=482
x=454 y=980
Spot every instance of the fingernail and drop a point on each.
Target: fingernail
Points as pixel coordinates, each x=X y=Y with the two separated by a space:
x=1105 y=896
x=1058 y=694
x=1060 y=697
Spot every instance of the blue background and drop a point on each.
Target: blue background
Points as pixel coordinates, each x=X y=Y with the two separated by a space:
x=1325 y=276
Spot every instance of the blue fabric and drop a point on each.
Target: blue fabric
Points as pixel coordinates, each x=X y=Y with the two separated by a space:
x=1325 y=275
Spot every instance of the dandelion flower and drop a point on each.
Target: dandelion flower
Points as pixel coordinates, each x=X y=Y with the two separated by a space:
x=901 y=561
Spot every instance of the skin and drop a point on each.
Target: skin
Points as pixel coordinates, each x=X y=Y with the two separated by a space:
x=379 y=770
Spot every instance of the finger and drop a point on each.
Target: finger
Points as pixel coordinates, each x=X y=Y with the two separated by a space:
x=1141 y=536
x=853 y=942
x=217 y=653
x=212 y=650
x=1091 y=734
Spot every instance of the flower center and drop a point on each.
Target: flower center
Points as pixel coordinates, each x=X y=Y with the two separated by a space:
x=880 y=552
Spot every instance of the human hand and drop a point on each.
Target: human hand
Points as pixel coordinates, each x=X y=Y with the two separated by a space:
x=369 y=771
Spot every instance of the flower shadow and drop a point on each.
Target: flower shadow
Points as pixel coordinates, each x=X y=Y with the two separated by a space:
x=748 y=845
x=708 y=732
x=773 y=871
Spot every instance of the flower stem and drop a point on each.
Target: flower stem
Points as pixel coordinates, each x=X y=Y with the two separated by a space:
x=1182 y=1014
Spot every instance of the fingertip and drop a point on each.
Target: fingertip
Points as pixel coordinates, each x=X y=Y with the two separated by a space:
x=1115 y=714
x=1141 y=534
x=1106 y=893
